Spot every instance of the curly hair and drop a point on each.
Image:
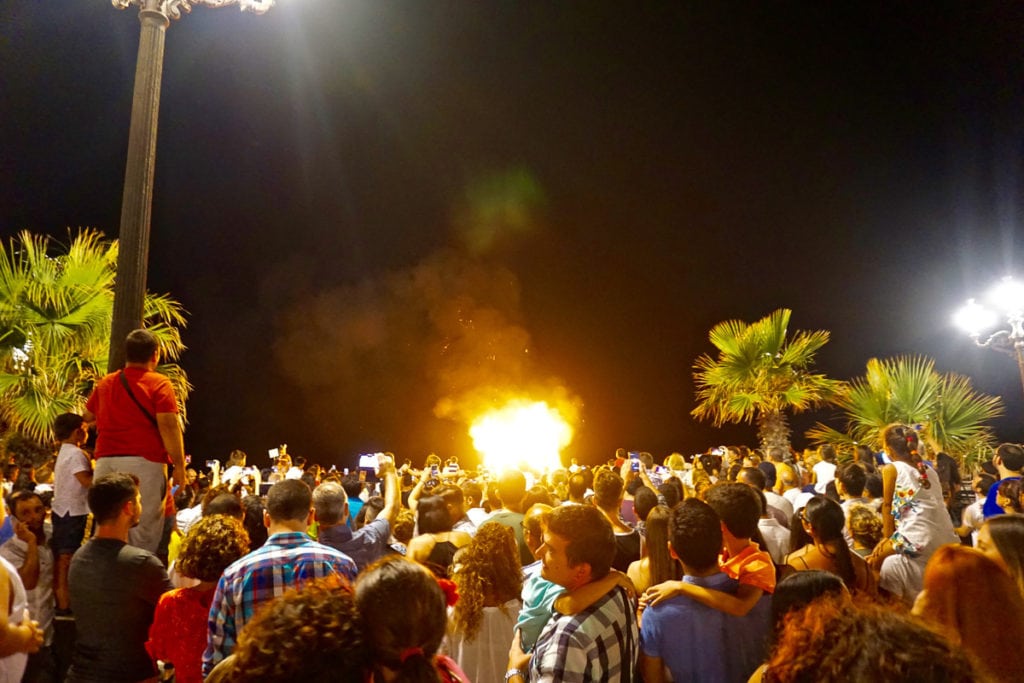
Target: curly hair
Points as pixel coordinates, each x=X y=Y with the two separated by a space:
x=405 y=524
x=865 y=526
x=833 y=641
x=403 y=609
x=210 y=546
x=312 y=634
x=488 y=571
x=607 y=488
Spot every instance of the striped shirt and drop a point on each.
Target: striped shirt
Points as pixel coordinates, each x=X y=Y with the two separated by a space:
x=286 y=560
x=597 y=644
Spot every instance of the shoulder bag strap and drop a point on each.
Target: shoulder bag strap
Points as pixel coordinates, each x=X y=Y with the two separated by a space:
x=127 y=387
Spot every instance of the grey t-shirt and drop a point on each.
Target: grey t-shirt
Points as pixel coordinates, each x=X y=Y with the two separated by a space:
x=114 y=590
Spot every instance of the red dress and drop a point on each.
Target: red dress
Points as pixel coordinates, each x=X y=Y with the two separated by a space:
x=178 y=632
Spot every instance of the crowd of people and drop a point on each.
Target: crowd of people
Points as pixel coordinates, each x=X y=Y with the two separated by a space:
x=729 y=565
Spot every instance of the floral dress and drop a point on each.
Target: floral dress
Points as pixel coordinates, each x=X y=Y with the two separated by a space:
x=922 y=526
x=922 y=521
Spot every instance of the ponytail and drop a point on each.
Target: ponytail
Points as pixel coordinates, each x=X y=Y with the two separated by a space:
x=415 y=666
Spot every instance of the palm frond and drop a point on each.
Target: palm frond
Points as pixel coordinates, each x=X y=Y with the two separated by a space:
x=55 y=309
x=757 y=372
x=908 y=389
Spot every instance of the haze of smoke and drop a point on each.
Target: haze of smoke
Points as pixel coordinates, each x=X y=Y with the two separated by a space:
x=444 y=337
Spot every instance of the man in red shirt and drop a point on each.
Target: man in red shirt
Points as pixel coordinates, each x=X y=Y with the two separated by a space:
x=136 y=414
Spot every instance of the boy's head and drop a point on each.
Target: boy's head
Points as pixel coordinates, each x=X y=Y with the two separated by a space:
x=695 y=534
x=852 y=477
x=738 y=506
x=66 y=424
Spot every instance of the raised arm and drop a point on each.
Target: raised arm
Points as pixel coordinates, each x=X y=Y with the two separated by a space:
x=29 y=569
x=417 y=491
x=392 y=490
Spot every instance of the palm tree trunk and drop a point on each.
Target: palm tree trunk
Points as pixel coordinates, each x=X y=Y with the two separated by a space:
x=773 y=430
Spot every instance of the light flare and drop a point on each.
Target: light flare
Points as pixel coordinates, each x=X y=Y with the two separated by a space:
x=521 y=433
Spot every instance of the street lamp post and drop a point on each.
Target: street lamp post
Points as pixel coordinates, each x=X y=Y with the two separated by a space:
x=976 y=319
x=137 y=200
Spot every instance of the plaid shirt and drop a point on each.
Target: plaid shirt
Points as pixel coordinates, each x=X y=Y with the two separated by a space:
x=597 y=644
x=285 y=561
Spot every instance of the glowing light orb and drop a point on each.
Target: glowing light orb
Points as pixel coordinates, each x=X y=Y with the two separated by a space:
x=522 y=432
x=973 y=318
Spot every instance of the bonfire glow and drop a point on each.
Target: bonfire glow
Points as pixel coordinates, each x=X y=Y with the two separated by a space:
x=522 y=432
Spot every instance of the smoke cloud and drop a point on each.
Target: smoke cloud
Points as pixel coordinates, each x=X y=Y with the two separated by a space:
x=384 y=361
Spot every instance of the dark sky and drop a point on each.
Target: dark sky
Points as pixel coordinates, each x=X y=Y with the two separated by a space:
x=376 y=211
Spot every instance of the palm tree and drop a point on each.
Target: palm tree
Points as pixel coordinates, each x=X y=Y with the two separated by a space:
x=760 y=375
x=908 y=389
x=55 y=311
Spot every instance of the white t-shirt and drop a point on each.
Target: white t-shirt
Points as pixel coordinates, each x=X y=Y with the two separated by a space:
x=777 y=501
x=824 y=472
x=69 y=496
x=187 y=517
x=776 y=537
x=973 y=517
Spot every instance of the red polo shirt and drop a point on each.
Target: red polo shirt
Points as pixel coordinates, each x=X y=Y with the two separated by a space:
x=122 y=429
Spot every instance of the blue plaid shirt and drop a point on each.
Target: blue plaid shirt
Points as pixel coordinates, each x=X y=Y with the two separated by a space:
x=598 y=644
x=285 y=561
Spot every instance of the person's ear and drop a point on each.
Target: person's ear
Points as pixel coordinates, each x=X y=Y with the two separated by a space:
x=266 y=519
x=672 y=551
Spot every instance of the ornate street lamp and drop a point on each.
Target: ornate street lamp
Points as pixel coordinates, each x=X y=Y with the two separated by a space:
x=137 y=200
x=1008 y=298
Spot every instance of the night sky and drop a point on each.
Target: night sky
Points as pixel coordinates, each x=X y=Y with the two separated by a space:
x=376 y=212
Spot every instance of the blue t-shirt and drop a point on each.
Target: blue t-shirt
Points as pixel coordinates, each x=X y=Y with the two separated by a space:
x=538 y=601
x=7 y=530
x=991 y=508
x=354 y=506
x=698 y=643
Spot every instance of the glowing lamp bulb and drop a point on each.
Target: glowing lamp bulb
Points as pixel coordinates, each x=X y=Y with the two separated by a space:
x=1008 y=296
x=974 y=318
